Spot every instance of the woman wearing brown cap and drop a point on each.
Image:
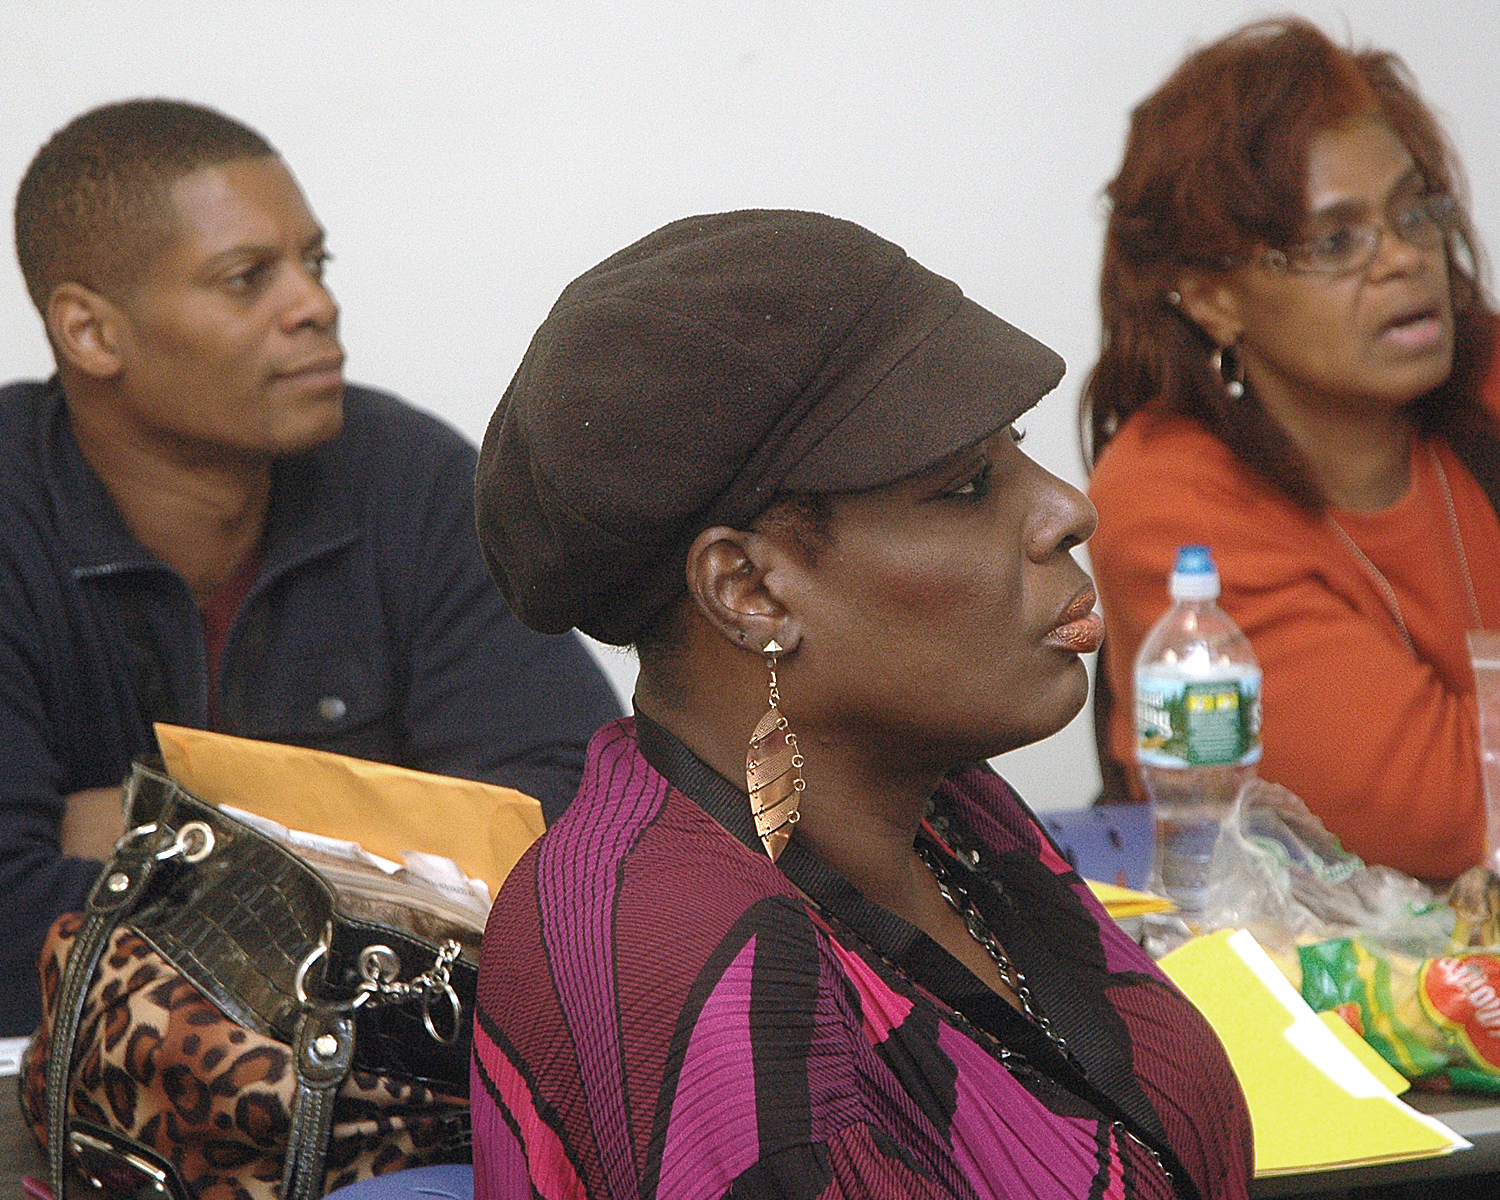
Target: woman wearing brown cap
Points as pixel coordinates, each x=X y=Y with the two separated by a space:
x=1295 y=348
x=793 y=937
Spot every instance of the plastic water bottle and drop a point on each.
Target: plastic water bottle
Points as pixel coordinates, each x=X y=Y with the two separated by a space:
x=1197 y=718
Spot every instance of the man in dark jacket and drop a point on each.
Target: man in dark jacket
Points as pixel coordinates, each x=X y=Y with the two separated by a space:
x=203 y=524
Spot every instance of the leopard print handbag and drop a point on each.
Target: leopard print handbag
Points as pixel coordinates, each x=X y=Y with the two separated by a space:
x=218 y=1024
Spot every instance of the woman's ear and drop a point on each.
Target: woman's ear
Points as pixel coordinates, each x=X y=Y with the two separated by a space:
x=727 y=576
x=85 y=330
x=1213 y=304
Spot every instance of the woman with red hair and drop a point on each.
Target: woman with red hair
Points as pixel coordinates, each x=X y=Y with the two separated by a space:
x=1293 y=371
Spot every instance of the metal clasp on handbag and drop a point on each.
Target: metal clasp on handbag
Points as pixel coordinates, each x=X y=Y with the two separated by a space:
x=192 y=843
x=380 y=968
x=103 y=1162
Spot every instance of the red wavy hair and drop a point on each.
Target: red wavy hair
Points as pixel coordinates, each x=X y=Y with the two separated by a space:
x=1215 y=166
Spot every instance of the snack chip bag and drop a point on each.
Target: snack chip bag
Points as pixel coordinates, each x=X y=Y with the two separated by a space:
x=1434 y=1019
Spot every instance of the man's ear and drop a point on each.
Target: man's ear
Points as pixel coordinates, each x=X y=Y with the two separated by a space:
x=730 y=575
x=1213 y=304
x=85 y=330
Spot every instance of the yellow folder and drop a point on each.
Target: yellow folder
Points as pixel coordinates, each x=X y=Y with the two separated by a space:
x=1314 y=1104
x=482 y=827
x=1120 y=902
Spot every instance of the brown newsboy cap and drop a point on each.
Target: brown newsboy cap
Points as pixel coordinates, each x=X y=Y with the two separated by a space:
x=716 y=364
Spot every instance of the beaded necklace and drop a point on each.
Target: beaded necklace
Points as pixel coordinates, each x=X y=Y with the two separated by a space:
x=1383 y=585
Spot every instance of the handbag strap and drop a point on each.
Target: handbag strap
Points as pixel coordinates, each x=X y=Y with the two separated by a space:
x=114 y=895
x=323 y=1053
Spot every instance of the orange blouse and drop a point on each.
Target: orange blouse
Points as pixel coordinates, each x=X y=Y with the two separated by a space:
x=1381 y=744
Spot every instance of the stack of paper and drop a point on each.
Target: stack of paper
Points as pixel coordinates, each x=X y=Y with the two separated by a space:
x=1314 y=1101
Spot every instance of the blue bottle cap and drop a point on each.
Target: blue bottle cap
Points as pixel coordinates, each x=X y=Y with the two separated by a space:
x=1194 y=560
x=1194 y=577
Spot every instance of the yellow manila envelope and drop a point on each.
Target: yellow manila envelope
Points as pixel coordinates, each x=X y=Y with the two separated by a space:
x=1314 y=1104
x=480 y=826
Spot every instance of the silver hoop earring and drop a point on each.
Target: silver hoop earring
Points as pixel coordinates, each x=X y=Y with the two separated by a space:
x=1234 y=382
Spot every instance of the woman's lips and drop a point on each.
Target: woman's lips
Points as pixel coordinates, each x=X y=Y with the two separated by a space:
x=1081 y=630
x=1417 y=330
x=1415 y=335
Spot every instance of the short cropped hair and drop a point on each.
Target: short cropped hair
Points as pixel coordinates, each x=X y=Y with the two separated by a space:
x=1216 y=164
x=93 y=207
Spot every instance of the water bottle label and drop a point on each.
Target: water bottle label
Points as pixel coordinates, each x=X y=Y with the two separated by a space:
x=1198 y=722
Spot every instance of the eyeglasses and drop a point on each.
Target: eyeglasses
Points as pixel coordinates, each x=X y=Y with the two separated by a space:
x=1422 y=222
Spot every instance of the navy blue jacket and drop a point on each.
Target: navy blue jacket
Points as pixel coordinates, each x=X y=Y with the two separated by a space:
x=372 y=630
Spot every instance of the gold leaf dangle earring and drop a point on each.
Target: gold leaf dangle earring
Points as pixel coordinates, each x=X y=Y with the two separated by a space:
x=773 y=771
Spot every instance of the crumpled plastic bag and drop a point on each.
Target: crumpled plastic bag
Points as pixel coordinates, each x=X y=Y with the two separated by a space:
x=1416 y=973
x=1279 y=873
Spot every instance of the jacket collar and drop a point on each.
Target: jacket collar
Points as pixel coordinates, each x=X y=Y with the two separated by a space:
x=313 y=510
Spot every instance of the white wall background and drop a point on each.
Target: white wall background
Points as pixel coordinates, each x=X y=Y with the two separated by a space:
x=470 y=158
